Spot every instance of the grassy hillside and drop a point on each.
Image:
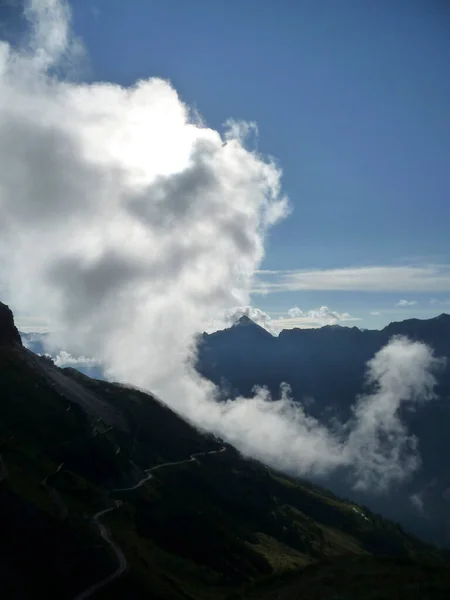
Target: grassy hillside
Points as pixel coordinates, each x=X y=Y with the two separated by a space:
x=211 y=526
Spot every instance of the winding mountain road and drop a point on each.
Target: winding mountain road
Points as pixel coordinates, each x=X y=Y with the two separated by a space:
x=148 y=472
x=54 y=495
x=134 y=487
x=192 y=458
x=122 y=566
x=106 y=535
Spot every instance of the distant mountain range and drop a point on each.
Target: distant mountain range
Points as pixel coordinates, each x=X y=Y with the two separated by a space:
x=312 y=361
x=106 y=493
x=328 y=365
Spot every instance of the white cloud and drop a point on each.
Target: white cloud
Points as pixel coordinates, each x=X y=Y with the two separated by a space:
x=240 y=130
x=426 y=278
x=419 y=498
x=318 y=316
x=406 y=303
x=28 y=324
x=295 y=312
x=374 y=444
x=417 y=501
x=51 y=42
x=127 y=225
x=64 y=359
x=375 y=313
x=401 y=373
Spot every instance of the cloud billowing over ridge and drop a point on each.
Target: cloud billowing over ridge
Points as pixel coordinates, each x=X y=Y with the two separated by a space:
x=295 y=317
x=128 y=224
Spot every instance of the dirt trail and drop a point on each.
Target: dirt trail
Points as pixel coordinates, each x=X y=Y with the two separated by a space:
x=122 y=561
x=106 y=535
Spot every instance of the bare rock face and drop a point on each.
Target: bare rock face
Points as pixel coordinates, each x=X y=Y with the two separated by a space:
x=9 y=334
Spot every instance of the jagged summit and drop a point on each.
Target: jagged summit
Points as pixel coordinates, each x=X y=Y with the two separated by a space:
x=9 y=334
x=443 y=317
x=246 y=321
x=246 y=328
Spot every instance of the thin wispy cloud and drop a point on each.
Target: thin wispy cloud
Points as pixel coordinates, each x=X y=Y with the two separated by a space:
x=95 y=11
x=417 y=501
x=316 y=316
x=426 y=278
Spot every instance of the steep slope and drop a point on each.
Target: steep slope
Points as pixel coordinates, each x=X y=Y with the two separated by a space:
x=9 y=334
x=106 y=493
x=328 y=365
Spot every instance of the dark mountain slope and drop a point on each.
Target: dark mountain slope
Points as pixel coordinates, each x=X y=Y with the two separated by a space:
x=328 y=365
x=9 y=334
x=208 y=524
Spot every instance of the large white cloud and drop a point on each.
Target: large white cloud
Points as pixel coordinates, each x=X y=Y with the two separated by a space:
x=374 y=444
x=401 y=375
x=127 y=224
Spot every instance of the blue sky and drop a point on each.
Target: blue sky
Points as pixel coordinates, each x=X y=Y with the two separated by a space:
x=352 y=99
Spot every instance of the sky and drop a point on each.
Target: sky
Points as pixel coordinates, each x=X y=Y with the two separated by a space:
x=350 y=98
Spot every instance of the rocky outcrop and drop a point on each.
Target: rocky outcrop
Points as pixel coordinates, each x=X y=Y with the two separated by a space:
x=9 y=334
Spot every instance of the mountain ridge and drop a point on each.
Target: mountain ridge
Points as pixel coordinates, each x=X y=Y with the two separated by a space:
x=329 y=365
x=246 y=320
x=9 y=334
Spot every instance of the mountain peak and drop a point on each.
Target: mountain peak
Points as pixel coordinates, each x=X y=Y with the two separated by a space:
x=9 y=334
x=443 y=317
x=245 y=320
x=249 y=328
